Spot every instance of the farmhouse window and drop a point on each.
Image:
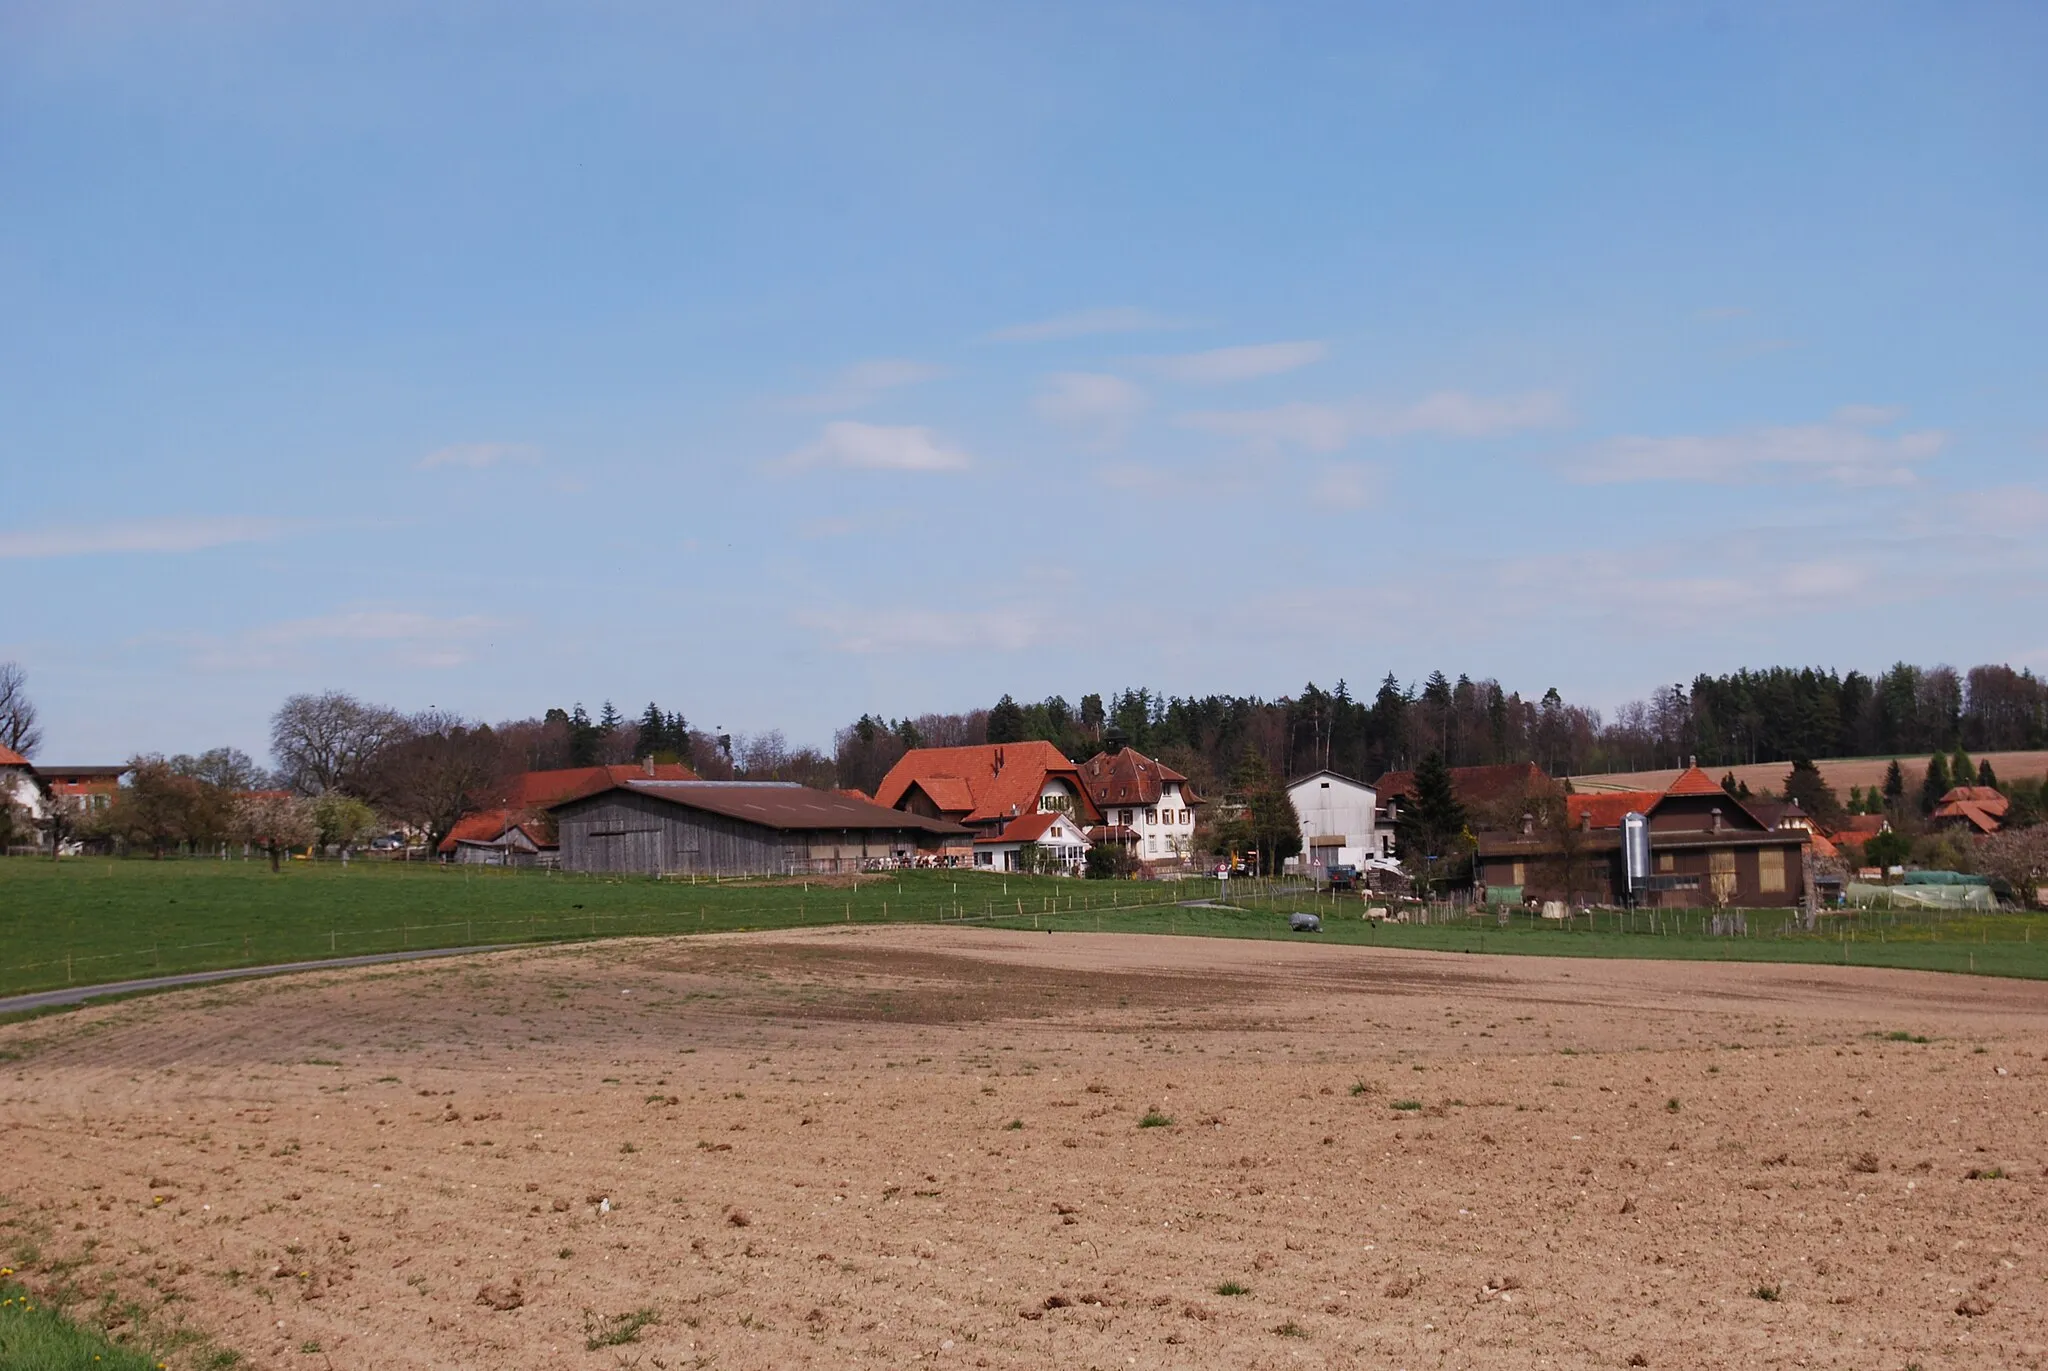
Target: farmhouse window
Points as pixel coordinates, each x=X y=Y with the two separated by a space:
x=1127 y=818
x=1666 y=862
x=1152 y=816
x=1721 y=874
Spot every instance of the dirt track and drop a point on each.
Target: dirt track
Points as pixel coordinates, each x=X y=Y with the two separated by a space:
x=804 y=1141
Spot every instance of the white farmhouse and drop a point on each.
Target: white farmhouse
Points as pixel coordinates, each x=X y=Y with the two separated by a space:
x=1338 y=823
x=1147 y=807
x=1061 y=845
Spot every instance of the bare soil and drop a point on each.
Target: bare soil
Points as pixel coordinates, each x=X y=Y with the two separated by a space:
x=1841 y=773
x=912 y=1144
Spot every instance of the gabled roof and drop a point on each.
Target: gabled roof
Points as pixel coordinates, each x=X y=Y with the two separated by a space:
x=775 y=804
x=981 y=783
x=1988 y=798
x=1328 y=775
x=492 y=825
x=1026 y=828
x=1693 y=781
x=1128 y=777
x=1977 y=816
x=9 y=757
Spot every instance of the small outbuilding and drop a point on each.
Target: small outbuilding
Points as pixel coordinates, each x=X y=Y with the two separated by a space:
x=740 y=828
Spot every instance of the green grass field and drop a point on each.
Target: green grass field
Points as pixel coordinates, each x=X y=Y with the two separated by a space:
x=90 y=921
x=35 y=1337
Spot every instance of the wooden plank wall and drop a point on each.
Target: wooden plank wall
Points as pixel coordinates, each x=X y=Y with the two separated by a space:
x=621 y=832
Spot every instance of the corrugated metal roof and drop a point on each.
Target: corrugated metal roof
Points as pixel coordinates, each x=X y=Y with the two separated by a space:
x=778 y=804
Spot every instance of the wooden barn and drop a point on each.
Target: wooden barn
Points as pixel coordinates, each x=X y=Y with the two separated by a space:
x=739 y=828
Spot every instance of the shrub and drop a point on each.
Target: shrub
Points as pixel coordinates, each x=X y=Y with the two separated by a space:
x=1154 y=1119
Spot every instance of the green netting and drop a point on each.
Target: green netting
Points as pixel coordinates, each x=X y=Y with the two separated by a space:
x=1503 y=894
x=1944 y=878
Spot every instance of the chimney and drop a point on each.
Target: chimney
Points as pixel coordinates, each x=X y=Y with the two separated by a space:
x=1586 y=821
x=1692 y=761
x=1528 y=823
x=647 y=764
x=1717 y=818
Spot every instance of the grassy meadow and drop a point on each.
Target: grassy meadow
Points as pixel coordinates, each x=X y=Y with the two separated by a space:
x=90 y=921
x=36 y=1337
x=87 y=921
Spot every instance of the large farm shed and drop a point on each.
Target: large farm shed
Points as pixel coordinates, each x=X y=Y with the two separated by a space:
x=738 y=828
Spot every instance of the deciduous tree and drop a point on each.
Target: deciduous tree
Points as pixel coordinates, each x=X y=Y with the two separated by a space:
x=327 y=742
x=274 y=823
x=19 y=731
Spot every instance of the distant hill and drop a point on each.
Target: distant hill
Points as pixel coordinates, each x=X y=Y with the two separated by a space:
x=1841 y=773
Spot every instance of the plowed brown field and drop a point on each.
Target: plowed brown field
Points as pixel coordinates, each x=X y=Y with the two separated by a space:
x=919 y=1145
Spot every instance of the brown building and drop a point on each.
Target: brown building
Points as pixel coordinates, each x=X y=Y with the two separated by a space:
x=1478 y=788
x=1706 y=849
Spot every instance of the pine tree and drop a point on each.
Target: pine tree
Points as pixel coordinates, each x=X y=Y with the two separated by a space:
x=1006 y=722
x=1935 y=784
x=1433 y=826
x=1894 y=785
x=1806 y=787
x=1961 y=770
x=584 y=737
x=1985 y=775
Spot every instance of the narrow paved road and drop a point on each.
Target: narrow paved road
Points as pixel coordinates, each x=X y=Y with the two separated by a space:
x=78 y=994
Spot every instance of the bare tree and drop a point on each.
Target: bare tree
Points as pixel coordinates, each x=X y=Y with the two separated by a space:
x=441 y=769
x=326 y=742
x=18 y=729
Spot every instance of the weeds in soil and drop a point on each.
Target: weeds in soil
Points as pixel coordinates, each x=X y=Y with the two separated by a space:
x=1291 y=1329
x=1154 y=1119
x=1767 y=1293
x=616 y=1330
x=1407 y=1105
x=1233 y=1288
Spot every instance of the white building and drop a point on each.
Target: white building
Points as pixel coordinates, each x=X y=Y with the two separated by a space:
x=18 y=783
x=1339 y=824
x=1146 y=806
x=1058 y=839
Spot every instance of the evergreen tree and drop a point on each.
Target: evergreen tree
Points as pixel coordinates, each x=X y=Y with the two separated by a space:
x=1985 y=775
x=1894 y=785
x=584 y=738
x=1961 y=770
x=609 y=719
x=1433 y=825
x=1006 y=722
x=1805 y=786
x=1275 y=827
x=1935 y=784
x=1728 y=784
x=1092 y=715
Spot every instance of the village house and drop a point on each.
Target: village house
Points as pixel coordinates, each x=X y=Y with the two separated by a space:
x=985 y=787
x=1706 y=849
x=1339 y=823
x=1978 y=810
x=1047 y=841
x=1146 y=807
x=739 y=828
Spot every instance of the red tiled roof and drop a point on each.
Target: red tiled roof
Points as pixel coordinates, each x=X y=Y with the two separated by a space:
x=1975 y=815
x=538 y=789
x=1610 y=808
x=1129 y=777
x=1025 y=828
x=1693 y=781
x=489 y=825
x=9 y=757
x=981 y=783
x=1987 y=798
x=1857 y=827
x=1473 y=785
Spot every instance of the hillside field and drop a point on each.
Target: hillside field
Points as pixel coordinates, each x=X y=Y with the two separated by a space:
x=1841 y=773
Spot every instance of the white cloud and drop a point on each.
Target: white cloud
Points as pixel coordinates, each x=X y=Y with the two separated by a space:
x=1010 y=629
x=137 y=535
x=1087 y=323
x=479 y=456
x=878 y=447
x=1332 y=427
x=1097 y=403
x=864 y=382
x=1220 y=365
x=1843 y=450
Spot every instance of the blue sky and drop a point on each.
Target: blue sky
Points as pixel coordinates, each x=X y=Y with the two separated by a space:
x=784 y=361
